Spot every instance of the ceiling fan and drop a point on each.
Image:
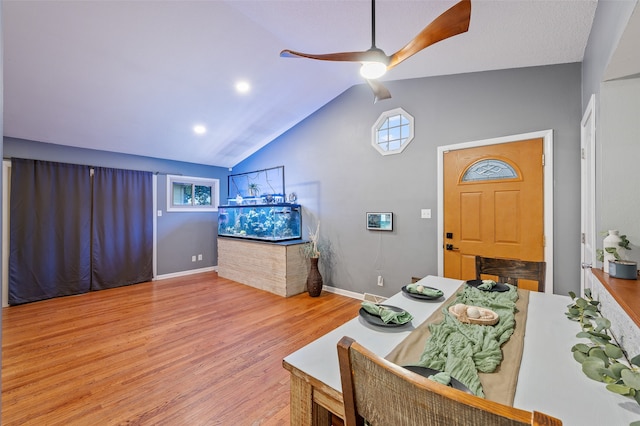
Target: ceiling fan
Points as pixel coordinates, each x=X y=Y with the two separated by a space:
x=375 y=62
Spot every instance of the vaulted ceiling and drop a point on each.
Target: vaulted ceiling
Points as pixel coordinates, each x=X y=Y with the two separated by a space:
x=136 y=76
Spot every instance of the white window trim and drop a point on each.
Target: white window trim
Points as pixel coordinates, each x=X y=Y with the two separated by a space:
x=215 y=193
x=385 y=115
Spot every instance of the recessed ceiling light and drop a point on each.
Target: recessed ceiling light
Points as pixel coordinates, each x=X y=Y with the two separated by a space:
x=242 y=87
x=199 y=129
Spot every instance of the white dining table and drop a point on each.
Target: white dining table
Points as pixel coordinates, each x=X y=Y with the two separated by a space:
x=549 y=379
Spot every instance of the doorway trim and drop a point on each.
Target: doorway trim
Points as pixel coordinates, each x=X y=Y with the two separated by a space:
x=587 y=193
x=547 y=136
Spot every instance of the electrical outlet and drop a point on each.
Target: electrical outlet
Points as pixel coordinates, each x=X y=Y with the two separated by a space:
x=425 y=213
x=380 y=281
x=193 y=258
x=199 y=257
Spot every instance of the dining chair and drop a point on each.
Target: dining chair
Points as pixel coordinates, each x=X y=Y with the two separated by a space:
x=384 y=393
x=511 y=270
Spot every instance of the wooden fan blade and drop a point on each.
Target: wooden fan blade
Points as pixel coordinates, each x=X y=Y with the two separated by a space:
x=342 y=56
x=452 y=22
x=379 y=91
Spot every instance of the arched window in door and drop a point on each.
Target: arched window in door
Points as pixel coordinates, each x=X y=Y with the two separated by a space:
x=489 y=169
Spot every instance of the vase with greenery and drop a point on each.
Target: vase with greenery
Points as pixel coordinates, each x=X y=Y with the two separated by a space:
x=612 y=251
x=312 y=251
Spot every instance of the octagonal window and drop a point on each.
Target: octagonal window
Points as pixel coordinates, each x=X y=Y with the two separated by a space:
x=392 y=132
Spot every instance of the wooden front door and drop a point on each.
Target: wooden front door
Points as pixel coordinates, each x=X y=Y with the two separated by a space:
x=493 y=205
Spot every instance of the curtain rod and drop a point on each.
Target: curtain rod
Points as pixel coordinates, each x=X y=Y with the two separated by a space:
x=92 y=166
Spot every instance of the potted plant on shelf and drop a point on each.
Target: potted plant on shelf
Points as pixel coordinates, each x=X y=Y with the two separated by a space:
x=613 y=255
x=254 y=189
x=312 y=251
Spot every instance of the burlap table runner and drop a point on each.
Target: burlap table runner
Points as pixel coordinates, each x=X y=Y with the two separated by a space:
x=499 y=386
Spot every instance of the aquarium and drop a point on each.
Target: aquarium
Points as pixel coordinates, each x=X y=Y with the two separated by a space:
x=267 y=222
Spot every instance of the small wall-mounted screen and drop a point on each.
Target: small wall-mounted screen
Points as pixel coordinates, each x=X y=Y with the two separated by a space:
x=380 y=221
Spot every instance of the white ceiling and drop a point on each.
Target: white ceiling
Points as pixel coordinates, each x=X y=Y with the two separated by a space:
x=135 y=76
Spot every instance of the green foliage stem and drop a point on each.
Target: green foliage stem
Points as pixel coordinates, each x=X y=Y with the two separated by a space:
x=602 y=359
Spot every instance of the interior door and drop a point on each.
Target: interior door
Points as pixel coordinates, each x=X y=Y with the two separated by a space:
x=587 y=192
x=493 y=205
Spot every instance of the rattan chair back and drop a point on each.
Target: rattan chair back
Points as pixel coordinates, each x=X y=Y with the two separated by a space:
x=384 y=393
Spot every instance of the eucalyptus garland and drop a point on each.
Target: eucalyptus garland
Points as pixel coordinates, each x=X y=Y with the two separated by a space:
x=602 y=359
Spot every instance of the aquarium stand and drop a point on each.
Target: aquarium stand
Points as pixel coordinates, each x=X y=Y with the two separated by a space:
x=280 y=268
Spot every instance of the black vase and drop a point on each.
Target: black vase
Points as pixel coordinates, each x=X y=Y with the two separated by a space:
x=314 y=279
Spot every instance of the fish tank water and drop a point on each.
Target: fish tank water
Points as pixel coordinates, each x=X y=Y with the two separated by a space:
x=266 y=222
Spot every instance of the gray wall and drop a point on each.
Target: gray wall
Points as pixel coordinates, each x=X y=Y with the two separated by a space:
x=617 y=124
x=179 y=235
x=338 y=176
x=617 y=193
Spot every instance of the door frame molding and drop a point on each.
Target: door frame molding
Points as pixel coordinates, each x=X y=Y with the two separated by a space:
x=547 y=136
x=588 y=190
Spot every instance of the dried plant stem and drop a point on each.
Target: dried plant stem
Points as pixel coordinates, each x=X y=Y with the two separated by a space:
x=313 y=237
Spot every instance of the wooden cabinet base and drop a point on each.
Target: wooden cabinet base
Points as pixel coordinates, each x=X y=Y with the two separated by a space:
x=277 y=268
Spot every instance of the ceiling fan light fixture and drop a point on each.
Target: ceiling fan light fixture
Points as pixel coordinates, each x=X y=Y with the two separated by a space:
x=375 y=62
x=373 y=70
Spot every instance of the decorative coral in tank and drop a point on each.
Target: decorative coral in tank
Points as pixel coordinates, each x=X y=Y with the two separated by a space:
x=269 y=222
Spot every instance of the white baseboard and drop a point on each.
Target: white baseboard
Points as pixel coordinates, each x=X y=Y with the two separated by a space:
x=184 y=273
x=326 y=288
x=342 y=292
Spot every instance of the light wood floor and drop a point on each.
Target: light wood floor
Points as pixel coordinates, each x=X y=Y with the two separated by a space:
x=195 y=350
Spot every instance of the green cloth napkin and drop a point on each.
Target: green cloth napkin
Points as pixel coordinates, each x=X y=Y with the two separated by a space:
x=464 y=349
x=387 y=315
x=487 y=285
x=442 y=377
x=427 y=291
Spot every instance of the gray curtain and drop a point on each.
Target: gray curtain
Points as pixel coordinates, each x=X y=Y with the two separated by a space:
x=70 y=233
x=50 y=230
x=122 y=233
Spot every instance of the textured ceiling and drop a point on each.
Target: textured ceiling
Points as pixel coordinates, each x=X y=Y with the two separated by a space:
x=135 y=76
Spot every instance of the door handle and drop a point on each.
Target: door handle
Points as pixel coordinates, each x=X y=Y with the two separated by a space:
x=450 y=247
